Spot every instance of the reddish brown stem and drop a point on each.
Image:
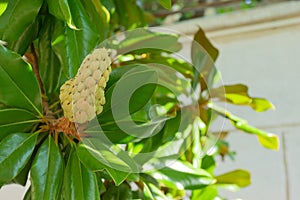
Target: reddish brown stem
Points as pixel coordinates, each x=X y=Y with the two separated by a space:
x=35 y=68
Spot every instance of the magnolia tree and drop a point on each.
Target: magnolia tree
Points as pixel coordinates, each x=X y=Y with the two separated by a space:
x=93 y=107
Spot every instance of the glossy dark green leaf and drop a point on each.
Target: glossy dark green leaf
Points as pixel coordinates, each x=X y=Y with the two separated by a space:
x=60 y=9
x=241 y=178
x=49 y=66
x=15 y=151
x=89 y=160
x=18 y=87
x=18 y=28
x=16 y=120
x=79 y=183
x=22 y=177
x=129 y=14
x=47 y=172
x=165 y=3
x=182 y=175
x=96 y=153
x=77 y=43
x=139 y=41
x=99 y=16
x=121 y=192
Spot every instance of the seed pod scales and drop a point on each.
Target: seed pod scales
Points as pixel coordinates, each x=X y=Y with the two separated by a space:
x=87 y=88
x=65 y=97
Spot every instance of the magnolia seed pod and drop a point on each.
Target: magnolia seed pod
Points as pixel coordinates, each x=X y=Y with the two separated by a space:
x=83 y=96
x=65 y=97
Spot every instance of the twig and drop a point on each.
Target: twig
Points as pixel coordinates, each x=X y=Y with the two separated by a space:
x=35 y=68
x=285 y=166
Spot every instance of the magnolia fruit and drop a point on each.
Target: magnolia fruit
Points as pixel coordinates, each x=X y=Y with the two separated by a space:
x=83 y=96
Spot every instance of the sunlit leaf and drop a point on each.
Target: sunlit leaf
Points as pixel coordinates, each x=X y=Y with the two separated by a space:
x=268 y=140
x=208 y=193
x=241 y=178
x=182 y=175
x=238 y=94
x=260 y=104
x=141 y=41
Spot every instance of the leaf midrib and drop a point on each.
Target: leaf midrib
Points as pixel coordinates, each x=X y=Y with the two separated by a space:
x=19 y=89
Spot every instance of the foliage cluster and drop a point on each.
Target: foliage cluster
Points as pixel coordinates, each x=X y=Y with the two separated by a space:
x=43 y=45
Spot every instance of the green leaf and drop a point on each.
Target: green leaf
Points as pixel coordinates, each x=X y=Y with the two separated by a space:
x=203 y=56
x=208 y=193
x=79 y=183
x=77 y=43
x=60 y=9
x=18 y=28
x=204 y=42
x=241 y=178
x=238 y=94
x=16 y=120
x=97 y=153
x=47 y=171
x=121 y=192
x=89 y=160
x=153 y=192
x=18 y=87
x=3 y=6
x=139 y=41
x=268 y=140
x=49 y=66
x=124 y=97
x=22 y=177
x=166 y=3
x=128 y=14
x=182 y=175
x=15 y=152
x=261 y=105
x=99 y=16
